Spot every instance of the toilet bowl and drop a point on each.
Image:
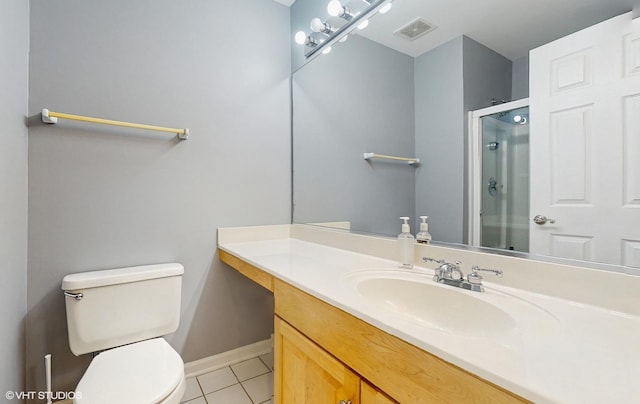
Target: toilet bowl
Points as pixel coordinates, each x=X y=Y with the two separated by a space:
x=123 y=314
x=145 y=372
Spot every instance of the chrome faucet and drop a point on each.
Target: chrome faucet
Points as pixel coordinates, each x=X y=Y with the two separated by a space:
x=448 y=271
x=451 y=274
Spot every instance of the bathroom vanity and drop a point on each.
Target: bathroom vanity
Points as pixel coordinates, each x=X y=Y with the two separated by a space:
x=350 y=326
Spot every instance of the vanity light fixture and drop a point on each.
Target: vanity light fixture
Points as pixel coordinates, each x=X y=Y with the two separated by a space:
x=384 y=9
x=364 y=24
x=335 y=9
x=302 y=38
x=335 y=31
x=318 y=26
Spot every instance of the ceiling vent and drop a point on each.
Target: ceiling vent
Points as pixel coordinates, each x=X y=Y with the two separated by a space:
x=415 y=29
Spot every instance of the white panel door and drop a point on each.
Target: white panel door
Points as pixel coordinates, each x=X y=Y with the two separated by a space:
x=585 y=144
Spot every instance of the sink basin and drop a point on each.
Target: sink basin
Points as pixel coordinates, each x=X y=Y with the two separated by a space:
x=415 y=297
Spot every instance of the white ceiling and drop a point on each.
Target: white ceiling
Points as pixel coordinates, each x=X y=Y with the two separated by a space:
x=287 y=3
x=510 y=27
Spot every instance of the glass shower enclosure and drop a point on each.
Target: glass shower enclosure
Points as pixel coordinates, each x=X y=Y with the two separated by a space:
x=501 y=202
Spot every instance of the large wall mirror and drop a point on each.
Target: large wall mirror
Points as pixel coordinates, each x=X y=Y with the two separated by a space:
x=378 y=92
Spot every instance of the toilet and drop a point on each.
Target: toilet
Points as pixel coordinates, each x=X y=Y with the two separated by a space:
x=121 y=314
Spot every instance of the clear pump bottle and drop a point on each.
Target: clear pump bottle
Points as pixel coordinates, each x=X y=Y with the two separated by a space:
x=405 y=245
x=424 y=237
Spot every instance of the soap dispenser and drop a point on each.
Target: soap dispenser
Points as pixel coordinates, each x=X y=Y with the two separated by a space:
x=405 y=245
x=424 y=237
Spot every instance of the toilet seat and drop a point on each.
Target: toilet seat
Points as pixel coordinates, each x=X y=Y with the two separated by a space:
x=150 y=372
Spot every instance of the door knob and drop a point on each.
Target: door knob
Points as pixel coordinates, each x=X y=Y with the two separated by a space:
x=541 y=219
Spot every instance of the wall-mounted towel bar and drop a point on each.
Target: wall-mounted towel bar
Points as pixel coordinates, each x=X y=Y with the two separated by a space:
x=52 y=117
x=410 y=161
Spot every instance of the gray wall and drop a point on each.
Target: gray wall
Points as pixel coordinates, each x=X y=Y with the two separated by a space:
x=14 y=53
x=440 y=139
x=520 y=83
x=105 y=197
x=487 y=75
x=357 y=99
x=451 y=80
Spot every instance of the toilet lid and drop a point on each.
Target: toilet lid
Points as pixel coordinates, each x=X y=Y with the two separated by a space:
x=144 y=372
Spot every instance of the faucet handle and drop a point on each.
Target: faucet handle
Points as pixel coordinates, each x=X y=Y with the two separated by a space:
x=474 y=277
x=455 y=271
x=474 y=272
x=427 y=259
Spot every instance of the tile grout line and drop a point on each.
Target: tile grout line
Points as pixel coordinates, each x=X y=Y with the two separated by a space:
x=240 y=383
x=200 y=387
x=265 y=363
x=204 y=395
x=269 y=370
x=247 y=393
x=202 y=391
x=255 y=377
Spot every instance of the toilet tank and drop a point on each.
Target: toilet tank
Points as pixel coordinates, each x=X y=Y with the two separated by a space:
x=115 y=307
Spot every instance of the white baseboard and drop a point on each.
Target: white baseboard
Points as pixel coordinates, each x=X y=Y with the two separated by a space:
x=211 y=363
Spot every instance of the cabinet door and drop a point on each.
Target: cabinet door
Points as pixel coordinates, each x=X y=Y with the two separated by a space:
x=305 y=373
x=369 y=395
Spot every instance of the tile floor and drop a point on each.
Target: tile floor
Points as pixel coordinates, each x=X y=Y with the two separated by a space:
x=247 y=382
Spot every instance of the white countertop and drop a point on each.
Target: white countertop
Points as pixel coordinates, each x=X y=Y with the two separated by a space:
x=560 y=351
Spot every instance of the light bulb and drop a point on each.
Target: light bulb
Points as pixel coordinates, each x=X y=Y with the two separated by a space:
x=301 y=37
x=334 y=8
x=317 y=25
x=326 y=50
x=385 y=8
x=364 y=24
x=520 y=119
x=344 y=38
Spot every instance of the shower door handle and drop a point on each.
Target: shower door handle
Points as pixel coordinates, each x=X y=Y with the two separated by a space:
x=541 y=219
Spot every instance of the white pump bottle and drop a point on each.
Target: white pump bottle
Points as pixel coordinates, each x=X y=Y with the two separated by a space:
x=424 y=237
x=405 y=245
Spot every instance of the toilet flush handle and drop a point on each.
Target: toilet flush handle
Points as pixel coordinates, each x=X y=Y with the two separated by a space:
x=77 y=296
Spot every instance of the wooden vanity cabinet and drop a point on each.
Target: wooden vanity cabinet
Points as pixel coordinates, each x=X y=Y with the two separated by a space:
x=305 y=373
x=308 y=374
x=370 y=395
x=324 y=355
